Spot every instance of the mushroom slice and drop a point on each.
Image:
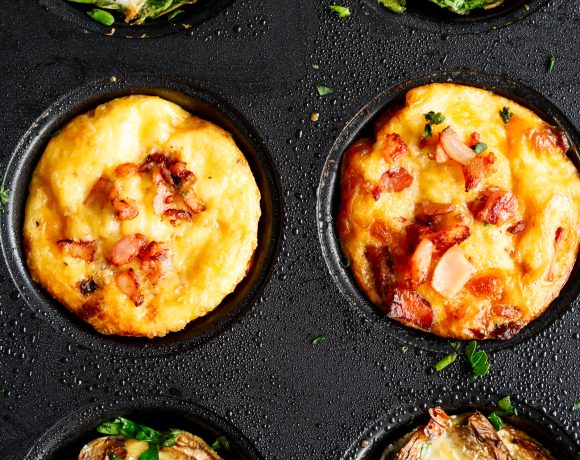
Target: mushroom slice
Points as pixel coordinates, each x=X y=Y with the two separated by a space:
x=190 y=447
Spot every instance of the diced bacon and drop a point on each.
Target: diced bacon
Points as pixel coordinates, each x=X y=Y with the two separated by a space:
x=517 y=228
x=415 y=232
x=128 y=248
x=125 y=209
x=180 y=173
x=129 y=285
x=421 y=261
x=478 y=168
x=194 y=204
x=163 y=191
x=104 y=189
x=474 y=139
x=506 y=331
x=156 y=261
x=408 y=306
x=434 y=209
x=548 y=137
x=444 y=239
x=154 y=160
x=381 y=264
x=126 y=170
x=455 y=148
x=84 y=250
x=438 y=424
x=494 y=206
x=394 y=180
x=452 y=272
x=440 y=154
x=487 y=287
x=177 y=214
x=394 y=147
x=429 y=141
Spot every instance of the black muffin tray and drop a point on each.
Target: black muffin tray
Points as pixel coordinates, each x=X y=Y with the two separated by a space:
x=250 y=370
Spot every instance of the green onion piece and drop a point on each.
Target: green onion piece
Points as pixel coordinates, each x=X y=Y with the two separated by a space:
x=480 y=147
x=434 y=118
x=427 y=132
x=324 y=90
x=318 y=340
x=456 y=345
x=174 y=13
x=443 y=363
x=506 y=114
x=396 y=6
x=340 y=11
x=221 y=443
x=551 y=63
x=102 y=16
x=496 y=421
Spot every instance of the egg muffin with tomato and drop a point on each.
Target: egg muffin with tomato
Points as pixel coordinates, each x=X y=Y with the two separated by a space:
x=461 y=216
x=141 y=217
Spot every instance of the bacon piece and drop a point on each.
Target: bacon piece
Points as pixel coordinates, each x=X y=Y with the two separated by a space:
x=129 y=285
x=394 y=147
x=434 y=209
x=421 y=261
x=127 y=248
x=438 y=424
x=394 y=180
x=381 y=263
x=126 y=169
x=194 y=204
x=474 y=139
x=478 y=168
x=156 y=261
x=559 y=238
x=548 y=137
x=177 y=214
x=494 y=206
x=415 y=232
x=455 y=148
x=125 y=209
x=104 y=188
x=154 y=160
x=180 y=174
x=440 y=154
x=506 y=331
x=429 y=141
x=163 y=191
x=487 y=287
x=78 y=249
x=444 y=239
x=452 y=272
x=410 y=307
x=517 y=228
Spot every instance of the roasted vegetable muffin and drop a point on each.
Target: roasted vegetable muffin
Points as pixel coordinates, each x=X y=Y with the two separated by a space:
x=141 y=217
x=461 y=217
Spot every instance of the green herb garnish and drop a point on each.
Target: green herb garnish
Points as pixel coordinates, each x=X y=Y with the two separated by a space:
x=576 y=406
x=434 y=118
x=427 y=131
x=443 y=363
x=506 y=114
x=396 y=6
x=4 y=196
x=340 y=11
x=496 y=421
x=506 y=405
x=122 y=426
x=477 y=359
x=102 y=16
x=551 y=63
x=456 y=345
x=463 y=6
x=221 y=443
x=152 y=453
x=324 y=90
x=480 y=147
x=318 y=340
x=175 y=13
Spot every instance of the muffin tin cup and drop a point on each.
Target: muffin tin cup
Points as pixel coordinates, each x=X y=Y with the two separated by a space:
x=329 y=200
x=196 y=100
x=65 y=439
x=193 y=16
x=422 y=14
x=406 y=415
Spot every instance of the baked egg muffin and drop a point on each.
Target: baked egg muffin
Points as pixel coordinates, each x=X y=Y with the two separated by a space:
x=461 y=216
x=141 y=217
x=466 y=436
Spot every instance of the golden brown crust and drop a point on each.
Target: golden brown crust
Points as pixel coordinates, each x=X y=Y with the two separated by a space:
x=134 y=258
x=512 y=211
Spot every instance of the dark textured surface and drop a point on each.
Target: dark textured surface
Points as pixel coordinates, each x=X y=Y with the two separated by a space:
x=293 y=400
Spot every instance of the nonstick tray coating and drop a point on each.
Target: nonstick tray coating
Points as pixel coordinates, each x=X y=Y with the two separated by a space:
x=292 y=400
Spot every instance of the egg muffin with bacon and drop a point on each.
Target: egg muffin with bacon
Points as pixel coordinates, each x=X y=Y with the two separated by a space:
x=141 y=217
x=461 y=217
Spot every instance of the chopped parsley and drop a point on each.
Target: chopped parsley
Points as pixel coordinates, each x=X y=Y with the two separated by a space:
x=551 y=63
x=506 y=114
x=506 y=408
x=456 y=345
x=340 y=11
x=480 y=147
x=427 y=132
x=396 y=6
x=443 y=363
x=576 y=406
x=4 y=196
x=506 y=405
x=324 y=90
x=221 y=443
x=432 y=119
x=318 y=340
x=477 y=359
x=124 y=427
